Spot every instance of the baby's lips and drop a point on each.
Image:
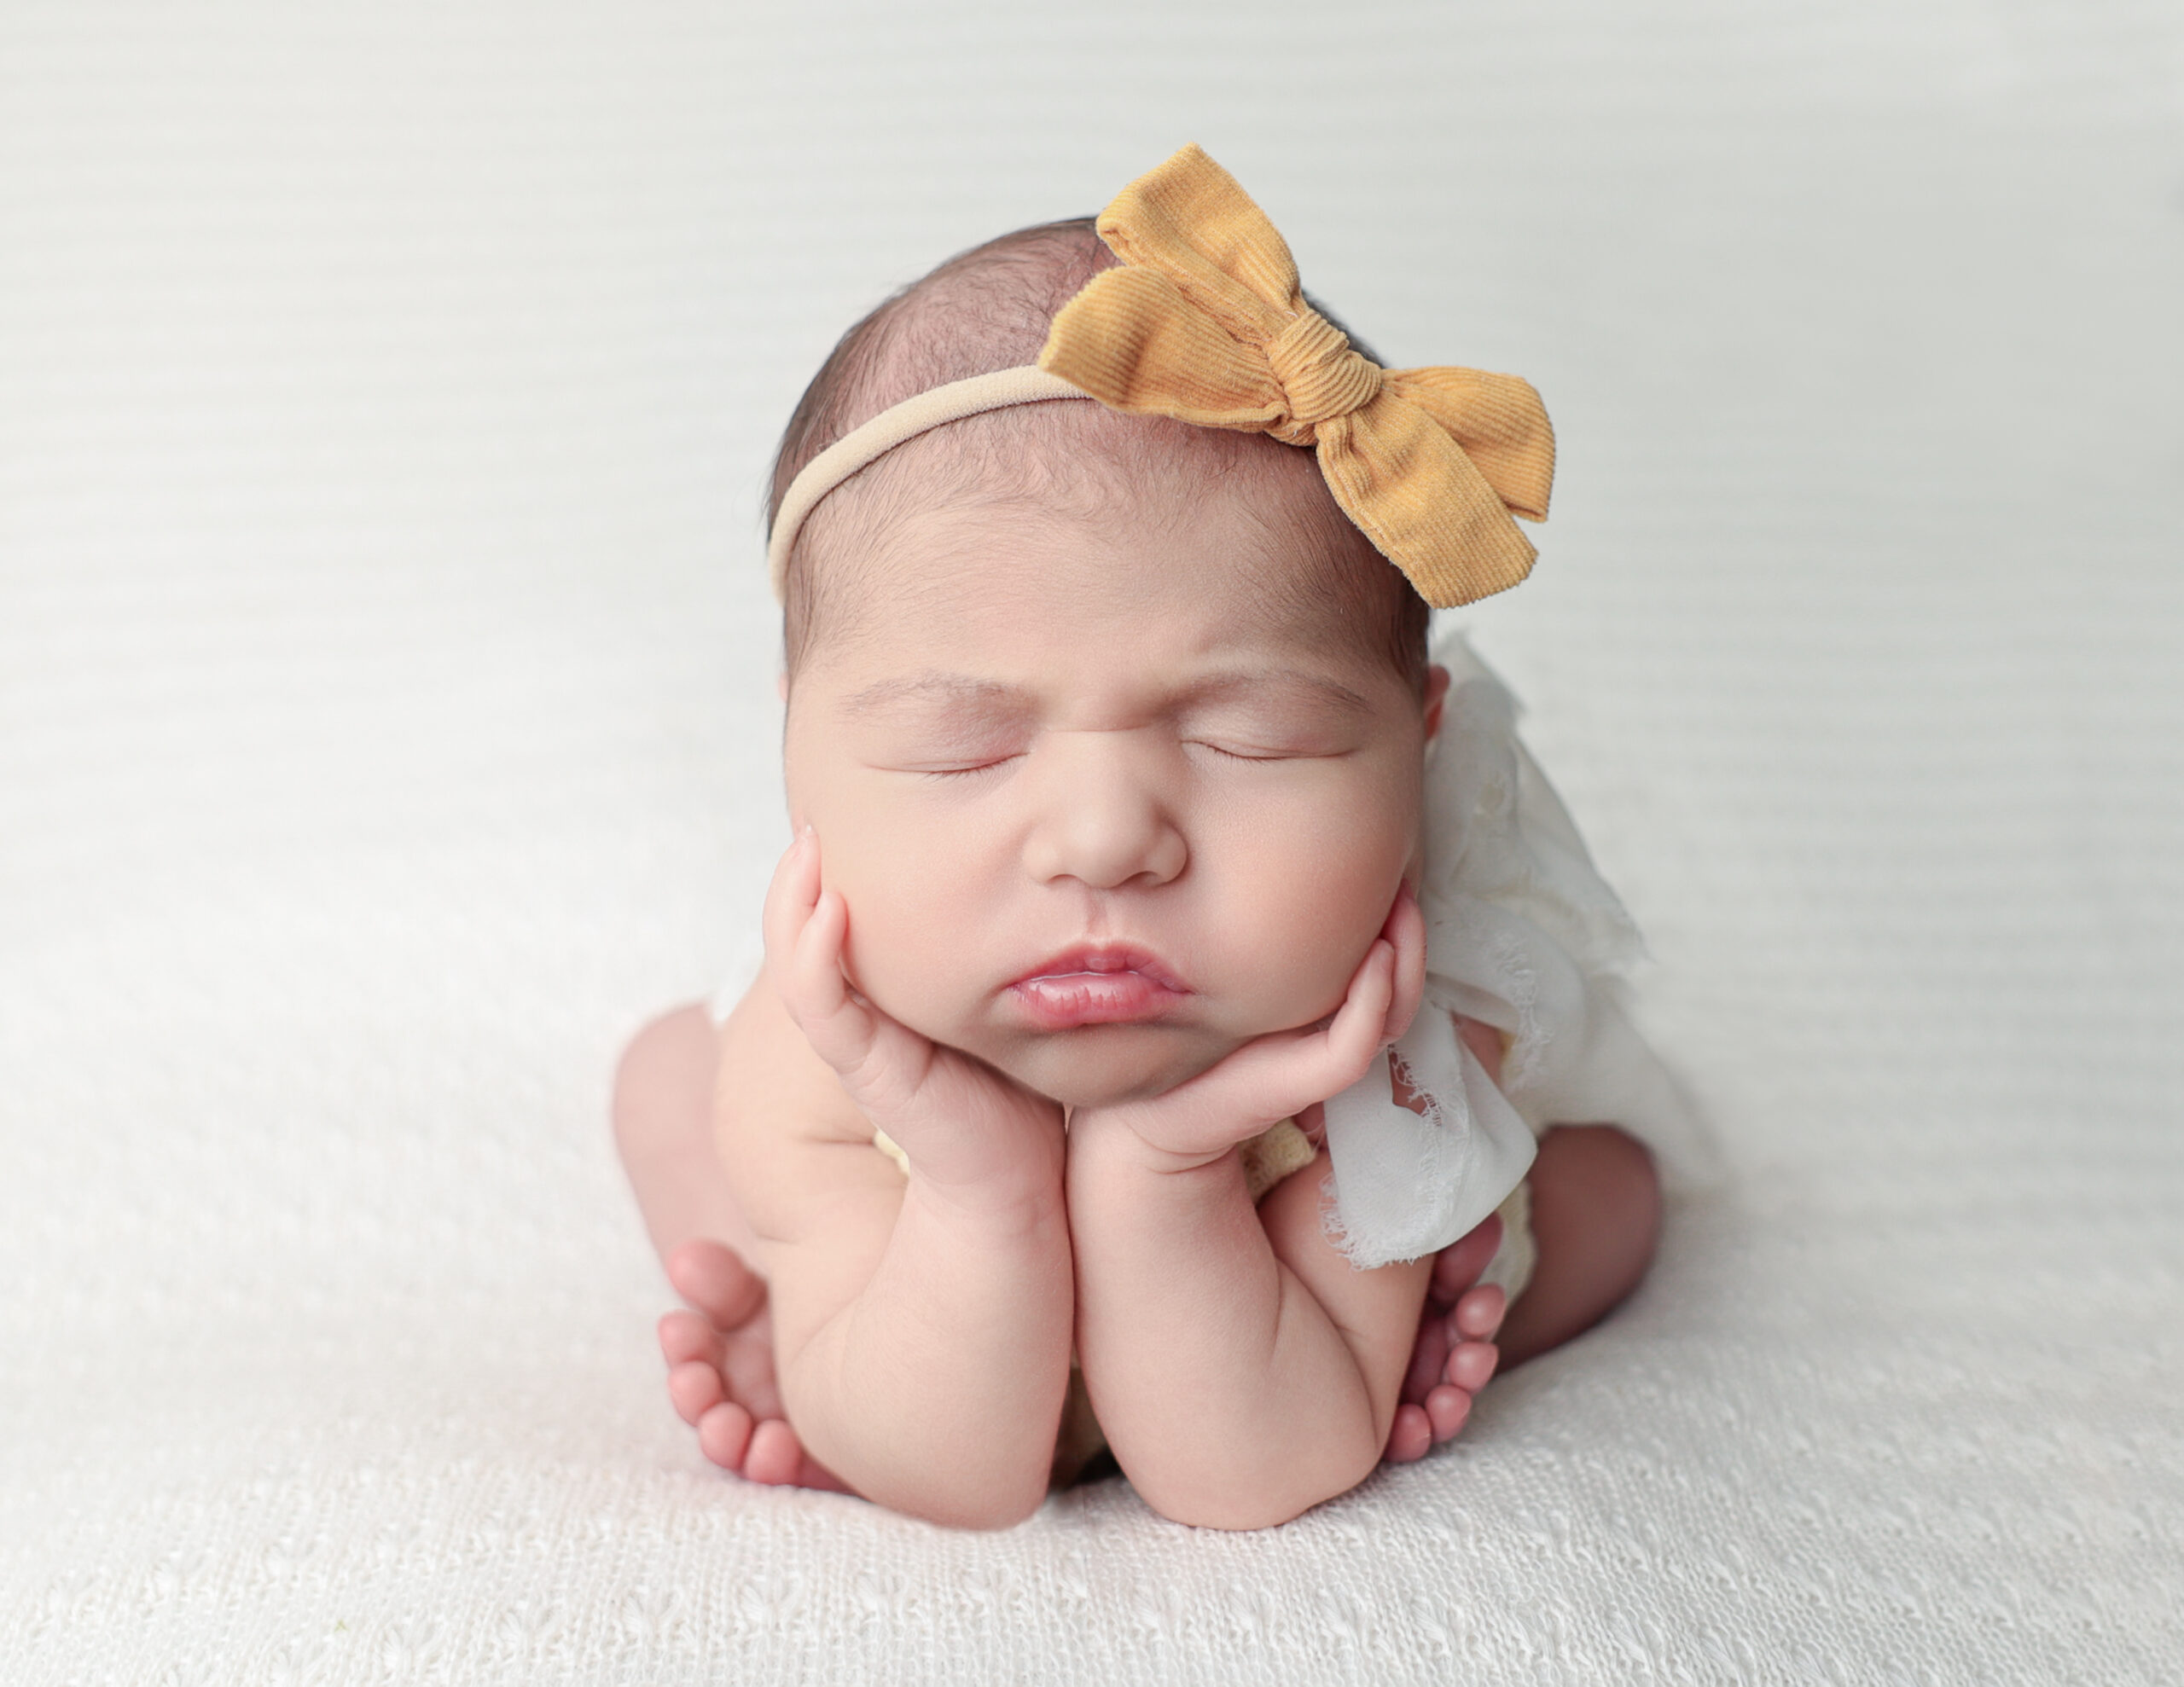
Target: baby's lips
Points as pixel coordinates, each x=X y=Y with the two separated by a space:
x=1098 y=984
x=1095 y=958
x=1069 y=1001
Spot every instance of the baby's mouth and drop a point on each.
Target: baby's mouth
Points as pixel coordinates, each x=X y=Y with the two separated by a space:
x=1103 y=985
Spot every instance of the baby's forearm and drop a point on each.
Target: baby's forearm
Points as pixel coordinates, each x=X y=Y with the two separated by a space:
x=936 y=1389
x=1229 y=1395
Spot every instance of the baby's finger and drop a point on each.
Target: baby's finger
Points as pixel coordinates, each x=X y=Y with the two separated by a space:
x=1277 y=1075
x=1273 y=1077
x=815 y=964
x=1358 y=1029
x=790 y=899
x=1406 y=930
x=839 y=1026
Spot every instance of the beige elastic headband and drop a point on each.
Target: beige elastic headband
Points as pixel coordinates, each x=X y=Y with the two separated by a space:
x=1205 y=321
x=865 y=445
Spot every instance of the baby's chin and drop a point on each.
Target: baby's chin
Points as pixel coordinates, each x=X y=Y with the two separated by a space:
x=1103 y=1066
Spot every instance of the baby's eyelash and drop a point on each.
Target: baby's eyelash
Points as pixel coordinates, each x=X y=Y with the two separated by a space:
x=966 y=771
x=1223 y=750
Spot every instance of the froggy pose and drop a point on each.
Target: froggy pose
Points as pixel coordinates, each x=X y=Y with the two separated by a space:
x=1065 y=1108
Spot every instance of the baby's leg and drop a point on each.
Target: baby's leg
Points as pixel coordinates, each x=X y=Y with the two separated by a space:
x=664 y=1128
x=720 y=1356
x=1596 y=1217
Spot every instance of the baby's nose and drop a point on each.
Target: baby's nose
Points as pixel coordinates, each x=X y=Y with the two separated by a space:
x=1102 y=820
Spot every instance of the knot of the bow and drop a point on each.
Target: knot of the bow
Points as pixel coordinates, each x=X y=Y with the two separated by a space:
x=1320 y=375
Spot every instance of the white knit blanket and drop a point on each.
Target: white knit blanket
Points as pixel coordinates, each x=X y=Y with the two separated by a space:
x=387 y=727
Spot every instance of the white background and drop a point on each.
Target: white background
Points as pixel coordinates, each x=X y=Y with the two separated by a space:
x=387 y=727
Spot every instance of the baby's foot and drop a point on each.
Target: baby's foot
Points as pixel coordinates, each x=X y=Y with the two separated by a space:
x=720 y=1376
x=1455 y=1355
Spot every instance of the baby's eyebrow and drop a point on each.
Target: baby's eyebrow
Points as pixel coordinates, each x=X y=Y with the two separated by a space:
x=1241 y=687
x=956 y=689
x=962 y=693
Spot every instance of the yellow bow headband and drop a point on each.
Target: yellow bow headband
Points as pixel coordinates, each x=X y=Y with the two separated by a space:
x=1206 y=323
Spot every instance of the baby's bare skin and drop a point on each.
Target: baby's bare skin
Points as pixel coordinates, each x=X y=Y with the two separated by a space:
x=1595 y=1218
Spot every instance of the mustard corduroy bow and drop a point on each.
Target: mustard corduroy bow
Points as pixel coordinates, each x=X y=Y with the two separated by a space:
x=1205 y=322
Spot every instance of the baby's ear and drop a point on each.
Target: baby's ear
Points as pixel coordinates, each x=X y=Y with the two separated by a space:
x=1437 y=693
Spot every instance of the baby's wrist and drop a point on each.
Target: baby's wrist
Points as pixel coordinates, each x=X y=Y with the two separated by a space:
x=1017 y=1187
x=1113 y=1135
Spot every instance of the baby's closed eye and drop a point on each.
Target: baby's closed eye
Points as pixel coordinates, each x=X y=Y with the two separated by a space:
x=948 y=748
x=1252 y=735
x=1273 y=717
x=954 y=751
x=947 y=762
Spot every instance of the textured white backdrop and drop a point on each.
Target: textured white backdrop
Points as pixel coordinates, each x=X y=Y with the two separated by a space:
x=386 y=727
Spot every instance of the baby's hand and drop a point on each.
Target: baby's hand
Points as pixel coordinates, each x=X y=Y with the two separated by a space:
x=960 y=1124
x=1278 y=1075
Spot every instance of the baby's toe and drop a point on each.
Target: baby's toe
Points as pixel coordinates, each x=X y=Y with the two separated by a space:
x=1411 y=1435
x=695 y=1388
x=1470 y=1365
x=1457 y=1266
x=774 y=1457
x=1446 y=1408
x=1479 y=1314
x=686 y=1338
x=1426 y=1360
x=714 y=1279
x=725 y=1434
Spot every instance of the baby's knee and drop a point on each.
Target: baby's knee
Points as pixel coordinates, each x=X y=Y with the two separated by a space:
x=1600 y=1179
x=666 y=1070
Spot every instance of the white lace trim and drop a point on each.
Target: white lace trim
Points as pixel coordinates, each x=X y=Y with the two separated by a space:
x=1523 y=933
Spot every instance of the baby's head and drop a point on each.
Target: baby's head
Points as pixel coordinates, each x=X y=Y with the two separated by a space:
x=1111 y=728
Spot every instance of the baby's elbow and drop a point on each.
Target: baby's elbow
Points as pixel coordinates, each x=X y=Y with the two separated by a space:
x=1005 y=1516
x=945 y=1493
x=1236 y=1518
x=987 y=1513
x=1275 y=1498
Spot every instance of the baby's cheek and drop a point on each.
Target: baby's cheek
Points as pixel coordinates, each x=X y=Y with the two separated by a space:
x=1312 y=898
x=911 y=945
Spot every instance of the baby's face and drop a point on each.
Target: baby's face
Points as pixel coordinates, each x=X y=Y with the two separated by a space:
x=1103 y=806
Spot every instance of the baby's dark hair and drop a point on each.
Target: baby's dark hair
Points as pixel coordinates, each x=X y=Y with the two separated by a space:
x=988 y=309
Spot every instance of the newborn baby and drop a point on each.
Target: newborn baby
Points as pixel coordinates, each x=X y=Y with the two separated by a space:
x=1107 y=756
